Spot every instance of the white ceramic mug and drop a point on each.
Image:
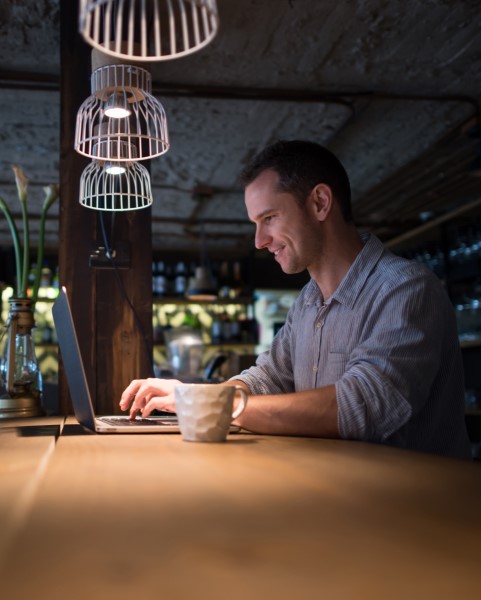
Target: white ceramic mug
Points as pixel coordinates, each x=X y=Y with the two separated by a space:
x=205 y=412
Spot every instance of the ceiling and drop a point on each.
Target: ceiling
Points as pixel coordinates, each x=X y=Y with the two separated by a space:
x=391 y=87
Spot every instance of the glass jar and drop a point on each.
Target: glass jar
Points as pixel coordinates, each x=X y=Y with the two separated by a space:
x=20 y=376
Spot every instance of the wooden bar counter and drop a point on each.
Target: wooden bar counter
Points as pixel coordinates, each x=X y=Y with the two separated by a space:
x=151 y=516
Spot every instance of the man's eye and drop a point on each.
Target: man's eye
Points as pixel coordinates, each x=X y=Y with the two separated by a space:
x=268 y=219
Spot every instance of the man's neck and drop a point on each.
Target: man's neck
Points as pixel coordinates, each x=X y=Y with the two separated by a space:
x=336 y=260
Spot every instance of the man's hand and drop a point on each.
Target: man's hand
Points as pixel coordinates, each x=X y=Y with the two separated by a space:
x=146 y=395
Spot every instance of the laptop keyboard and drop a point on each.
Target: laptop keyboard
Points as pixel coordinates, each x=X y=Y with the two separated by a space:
x=137 y=421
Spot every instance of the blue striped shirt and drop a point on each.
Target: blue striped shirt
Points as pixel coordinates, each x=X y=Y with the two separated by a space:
x=387 y=340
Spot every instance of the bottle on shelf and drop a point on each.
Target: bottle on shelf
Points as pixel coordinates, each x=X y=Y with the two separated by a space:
x=191 y=273
x=238 y=286
x=170 y=279
x=235 y=327
x=251 y=327
x=180 y=281
x=226 y=327
x=224 y=280
x=216 y=329
x=160 y=279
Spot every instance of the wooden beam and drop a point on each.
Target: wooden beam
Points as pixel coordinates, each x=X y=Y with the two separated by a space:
x=114 y=349
x=76 y=224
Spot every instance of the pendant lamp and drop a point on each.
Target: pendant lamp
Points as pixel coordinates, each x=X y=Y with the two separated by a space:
x=124 y=187
x=202 y=287
x=148 y=30
x=120 y=114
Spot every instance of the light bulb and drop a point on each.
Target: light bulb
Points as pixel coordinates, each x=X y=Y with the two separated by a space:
x=114 y=168
x=116 y=112
x=117 y=107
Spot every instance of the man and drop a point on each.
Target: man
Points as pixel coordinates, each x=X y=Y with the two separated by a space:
x=369 y=351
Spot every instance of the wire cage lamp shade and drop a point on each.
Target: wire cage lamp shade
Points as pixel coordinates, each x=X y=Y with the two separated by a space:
x=102 y=189
x=121 y=113
x=148 y=30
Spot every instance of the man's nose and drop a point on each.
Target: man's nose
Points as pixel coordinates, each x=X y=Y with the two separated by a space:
x=261 y=239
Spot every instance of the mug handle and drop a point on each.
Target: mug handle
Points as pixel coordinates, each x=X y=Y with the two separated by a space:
x=242 y=404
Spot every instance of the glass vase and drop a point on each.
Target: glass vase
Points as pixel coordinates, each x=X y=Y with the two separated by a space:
x=20 y=376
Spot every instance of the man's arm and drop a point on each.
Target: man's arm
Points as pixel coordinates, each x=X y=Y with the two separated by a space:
x=308 y=413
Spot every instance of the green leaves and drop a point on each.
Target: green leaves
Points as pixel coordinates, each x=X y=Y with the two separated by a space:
x=22 y=250
x=51 y=194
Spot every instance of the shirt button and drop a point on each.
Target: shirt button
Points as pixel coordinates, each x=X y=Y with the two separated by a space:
x=314 y=369
x=318 y=324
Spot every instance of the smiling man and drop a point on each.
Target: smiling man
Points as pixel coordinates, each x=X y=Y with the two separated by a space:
x=369 y=351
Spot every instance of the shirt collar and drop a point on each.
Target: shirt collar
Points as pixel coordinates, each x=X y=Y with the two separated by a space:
x=355 y=279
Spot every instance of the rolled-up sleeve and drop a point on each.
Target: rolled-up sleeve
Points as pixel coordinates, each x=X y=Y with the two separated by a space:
x=390 y=373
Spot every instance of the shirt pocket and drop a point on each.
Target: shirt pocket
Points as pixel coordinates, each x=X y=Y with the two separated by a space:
x=335 y=367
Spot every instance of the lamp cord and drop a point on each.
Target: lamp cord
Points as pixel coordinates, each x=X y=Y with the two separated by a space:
x=120 y=283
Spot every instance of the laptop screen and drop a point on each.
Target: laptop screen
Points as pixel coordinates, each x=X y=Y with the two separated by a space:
x=72 y=361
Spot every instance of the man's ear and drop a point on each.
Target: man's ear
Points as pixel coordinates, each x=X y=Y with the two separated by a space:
x=321 y=201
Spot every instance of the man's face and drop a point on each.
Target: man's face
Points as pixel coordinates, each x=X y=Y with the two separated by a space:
x=282 y=226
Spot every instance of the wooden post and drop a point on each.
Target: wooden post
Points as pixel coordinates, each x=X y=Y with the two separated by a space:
x=114 y=349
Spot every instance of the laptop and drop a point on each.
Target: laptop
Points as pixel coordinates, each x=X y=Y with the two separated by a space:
x=79 y=389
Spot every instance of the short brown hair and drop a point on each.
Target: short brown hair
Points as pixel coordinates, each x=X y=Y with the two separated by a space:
x=301 y=165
